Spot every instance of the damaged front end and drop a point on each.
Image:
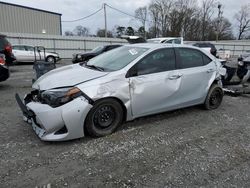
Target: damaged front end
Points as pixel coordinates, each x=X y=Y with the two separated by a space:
x=56 y=114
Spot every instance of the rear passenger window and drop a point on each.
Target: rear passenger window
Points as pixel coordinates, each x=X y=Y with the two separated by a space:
x=190 y=58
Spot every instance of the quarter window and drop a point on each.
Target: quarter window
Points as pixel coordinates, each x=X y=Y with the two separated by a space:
x=206 y=60
x=159 y=61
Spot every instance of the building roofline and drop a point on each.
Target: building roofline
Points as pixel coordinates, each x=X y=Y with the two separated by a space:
x=21 y=6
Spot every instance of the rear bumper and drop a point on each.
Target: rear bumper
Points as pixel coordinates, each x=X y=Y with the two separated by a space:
x=4 y=73
x=57 y=124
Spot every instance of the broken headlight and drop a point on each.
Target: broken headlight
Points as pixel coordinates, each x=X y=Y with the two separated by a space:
x=58 y=97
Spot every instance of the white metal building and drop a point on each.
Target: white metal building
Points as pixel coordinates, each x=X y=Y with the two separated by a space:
x=21 y=19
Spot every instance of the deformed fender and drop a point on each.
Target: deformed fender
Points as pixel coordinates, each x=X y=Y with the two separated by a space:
x=116 y=88
x=220 y=71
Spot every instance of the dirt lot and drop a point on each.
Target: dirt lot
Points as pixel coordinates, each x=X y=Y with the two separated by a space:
x=184 y=148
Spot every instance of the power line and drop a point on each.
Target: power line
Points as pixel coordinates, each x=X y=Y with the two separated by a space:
x=127 y=13
x=85 y=16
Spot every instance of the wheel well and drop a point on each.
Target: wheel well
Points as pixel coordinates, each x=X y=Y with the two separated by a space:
x=50 y=56
x=215 y=82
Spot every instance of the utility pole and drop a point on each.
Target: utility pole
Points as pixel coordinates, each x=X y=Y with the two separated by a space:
x=105 y=19
x=219 y=21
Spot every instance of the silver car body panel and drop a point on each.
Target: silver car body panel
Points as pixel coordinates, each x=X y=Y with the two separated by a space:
x=66 y=76
x=140 y=95
x=48 y=120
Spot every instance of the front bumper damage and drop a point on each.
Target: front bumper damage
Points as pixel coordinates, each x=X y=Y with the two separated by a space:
x=62 y=123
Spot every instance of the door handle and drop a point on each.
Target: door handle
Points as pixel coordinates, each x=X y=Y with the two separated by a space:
x=210 y=70
x=174 y=77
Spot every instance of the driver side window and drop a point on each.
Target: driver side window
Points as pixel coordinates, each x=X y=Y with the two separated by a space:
x=158 y=61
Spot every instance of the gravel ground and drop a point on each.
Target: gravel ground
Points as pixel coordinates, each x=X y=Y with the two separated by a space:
x=183 y=148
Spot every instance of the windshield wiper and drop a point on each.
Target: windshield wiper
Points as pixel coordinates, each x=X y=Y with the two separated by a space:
x=94 y=67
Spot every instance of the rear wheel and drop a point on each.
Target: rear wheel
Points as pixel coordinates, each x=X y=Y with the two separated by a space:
x=214 y=97
x=104 y=118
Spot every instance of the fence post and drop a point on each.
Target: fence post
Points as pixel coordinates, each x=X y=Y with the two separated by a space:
x=84 y=42
x=234 y=50
x=54 y=44
x=19 y=40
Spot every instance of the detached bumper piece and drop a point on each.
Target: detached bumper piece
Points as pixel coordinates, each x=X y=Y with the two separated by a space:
x=28 y=114
x=29 y=117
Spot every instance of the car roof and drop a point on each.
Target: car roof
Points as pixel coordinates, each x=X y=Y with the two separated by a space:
x=22 y=45
x=163 y=38
x=113 y=45
x=155 y=46
x=161 y=45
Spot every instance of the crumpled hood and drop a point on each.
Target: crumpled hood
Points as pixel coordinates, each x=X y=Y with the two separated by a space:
x=66 y=76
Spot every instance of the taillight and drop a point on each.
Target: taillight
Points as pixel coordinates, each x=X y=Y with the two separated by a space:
x=2 y=61
x=8 y=49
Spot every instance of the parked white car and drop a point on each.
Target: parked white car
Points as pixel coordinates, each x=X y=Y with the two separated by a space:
x=25 y=53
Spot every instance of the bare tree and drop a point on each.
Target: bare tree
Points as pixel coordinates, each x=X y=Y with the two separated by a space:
x=141 y=14
x=101 y=33
x=164 y=9
x=68 y=33
x=207 y=10
x=81 y=31
x=181 y=15
x=154 y=14
x=243 y=19
x=224 y=30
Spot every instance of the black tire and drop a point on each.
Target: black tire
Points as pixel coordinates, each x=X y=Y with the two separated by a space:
x=51 y=59
x=104 y=118
x=214 y=97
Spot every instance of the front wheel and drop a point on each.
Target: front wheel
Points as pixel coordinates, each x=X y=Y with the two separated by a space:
x=214 y=97
x=104 y=118
x=51 y=59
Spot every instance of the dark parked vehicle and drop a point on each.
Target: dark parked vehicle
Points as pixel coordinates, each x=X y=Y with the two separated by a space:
x=4 y=71
x=95 y=52
x=6 y=49
x=6 y=57
x=207 y=46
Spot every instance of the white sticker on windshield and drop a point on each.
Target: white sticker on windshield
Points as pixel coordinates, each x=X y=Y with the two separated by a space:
x=133 y=51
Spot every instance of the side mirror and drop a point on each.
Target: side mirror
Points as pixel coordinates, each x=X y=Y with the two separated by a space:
x=132 y=72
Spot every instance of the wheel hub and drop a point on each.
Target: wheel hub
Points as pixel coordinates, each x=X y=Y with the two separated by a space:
x=215 y=97
x=104 y=117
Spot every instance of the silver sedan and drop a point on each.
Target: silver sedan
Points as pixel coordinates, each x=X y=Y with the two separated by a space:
x=95 y=97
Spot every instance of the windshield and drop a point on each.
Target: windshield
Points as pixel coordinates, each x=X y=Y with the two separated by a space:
x=116 y=59
x=97 y=49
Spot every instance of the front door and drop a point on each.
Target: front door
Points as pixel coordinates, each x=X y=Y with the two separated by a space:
x=153 y=88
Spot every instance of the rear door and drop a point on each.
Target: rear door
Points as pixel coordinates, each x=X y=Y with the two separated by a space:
x=154 y=82
x=196 y=70
x=30 y=56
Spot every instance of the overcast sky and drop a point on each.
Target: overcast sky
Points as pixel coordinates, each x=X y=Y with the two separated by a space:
x=74 y=9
